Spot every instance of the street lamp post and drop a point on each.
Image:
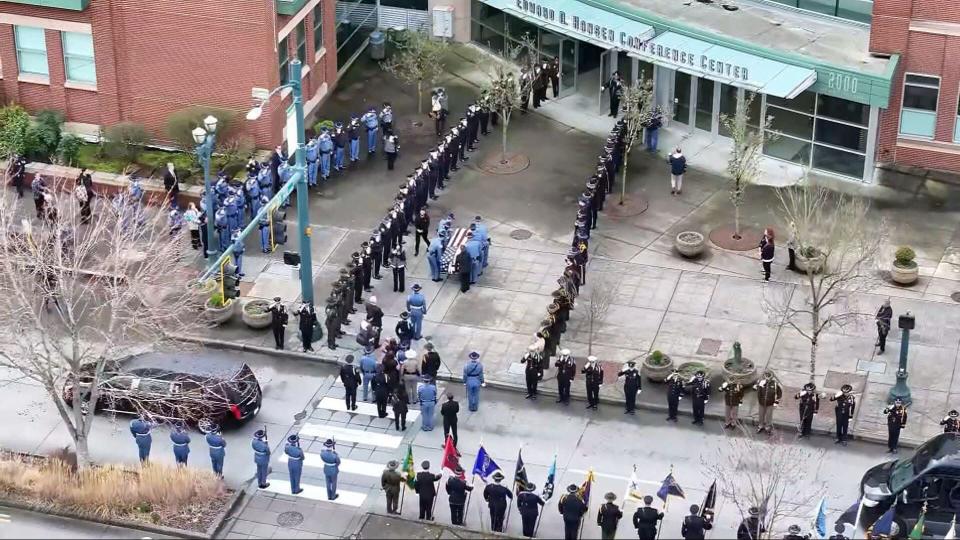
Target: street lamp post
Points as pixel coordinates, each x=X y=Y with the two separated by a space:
x=205 y=136
x=303 y=207
x=900 y=390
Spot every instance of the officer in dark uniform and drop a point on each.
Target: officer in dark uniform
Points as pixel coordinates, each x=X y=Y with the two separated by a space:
x=308 y=318
x=846 y=404
x=181 y=444
x=566 y=371
x=674 y=394
x=732 y=399
x=793 y=533
x=457 y=495
x=700 y=395
x=609 y=517
x=376 y=252
x=751 y=528
x=533 y=372
x=350 y=377
x=529 y=503
x=896 y=420
x=809 y=406
x=695 y=527
x=839 y=528
x=426 y=488
x=261 y=457
x=496 y=496
x=357 y=278
x=951 y=422
x=332 y=323
x=278 y=321
x=140 y=429
x=593 y=373
x=572 y=508
x=631 y=385
x=646 y=520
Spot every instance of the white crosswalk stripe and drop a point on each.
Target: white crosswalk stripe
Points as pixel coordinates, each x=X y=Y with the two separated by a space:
x=369 y=409
x=352 y=466
x=4 y=518
x=317 y=493
x=351 y=435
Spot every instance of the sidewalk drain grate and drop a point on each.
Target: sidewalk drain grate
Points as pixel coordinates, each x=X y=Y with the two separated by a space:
x=289 y=519
x=520 y=234
x=709 y=347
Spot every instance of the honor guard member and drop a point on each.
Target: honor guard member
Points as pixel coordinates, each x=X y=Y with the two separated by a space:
x=846 y=404
x=390 y=482
x=631 y=385
x=372 y=123
x=404 y=330
x=376 y=253
x=794 y=533
x=553 y=341
x=261 y=457
x=532 y=372
x=339 y=144
x=312 y=156
x=232 y=210
x=473 y=379
x=140 y=429
x=566 y=371
x=181 y=444
x=252 y=189
x=496 y=496
x=751 y=528
x=265 y=182
x=331 y=468
x=675 y=388
x=646 y=520
x=563 y=314
x=398 y=262
x=427 y=398
x=325 y=146
x=572 y=508
x=368 y=370
x=331 y=321
x=951 y=422
x=417 y=306
x=896 y=420
x=218 y=449
x=839 y=528
x=426 y=488
x=386 y=117
x=809 y=406
x=308 y=319
x=350 y=377
x=529 y=504
x=353 y=135
x=223 y=228
x=437 y=112
x=526 y=84
x=294 y=462
x=694 y=526
x=381 y=388
x=732 y=399
x=593 y=372
x=435 y=257
x=457 y=490
x=483 y=112
x=769 y=393
x=357 y=278
x=700 y=395
x=609 y=517
x=421 y=225
x=475 y=248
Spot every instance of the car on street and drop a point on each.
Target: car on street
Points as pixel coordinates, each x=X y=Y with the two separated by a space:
x=931 y=477
x=194 y=396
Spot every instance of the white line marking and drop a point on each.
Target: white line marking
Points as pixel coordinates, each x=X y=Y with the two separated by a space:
x=352 y=466
x=350 y=435
x=615 y=477
x=317 y=493
x=369 y=409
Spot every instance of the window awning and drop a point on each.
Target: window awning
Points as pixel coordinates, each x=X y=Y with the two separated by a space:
x=580 y=21
x=726 y=65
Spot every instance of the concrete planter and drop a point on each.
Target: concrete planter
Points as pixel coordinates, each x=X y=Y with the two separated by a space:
x=689 y=369
x=219 y=315
x=201 y=290
x=255 y=314
x=904 y=274
x=689 y=244
x=743 y=372
x=656 y=372
x=812 y=265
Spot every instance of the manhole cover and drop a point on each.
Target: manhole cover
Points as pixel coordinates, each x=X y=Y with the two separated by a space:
x=709 y=347
x=520 y=234
x=289 y=519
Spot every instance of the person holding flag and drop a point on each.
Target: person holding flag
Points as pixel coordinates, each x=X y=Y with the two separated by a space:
x=496 y=496
x=457 y=489
x=425 y=485
x=751 y=528
x=609 y=517
x=529 y=503
x=409 y=474
x=572 y=508
x=646 y=520
x=694 y=526
x=709 y=502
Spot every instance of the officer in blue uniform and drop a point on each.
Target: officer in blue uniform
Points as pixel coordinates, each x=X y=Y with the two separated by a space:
x=473 y=379
x=217 y=449
x=331 y=468
x=481 y=232
x=230 y=207
x=386 y=118
x=353 y=134
x=434 y=256
x=444 y=223
x=264 y=225
x=339 y=143
x=325 y=145
x=181 y=444
x=473 y=248
x=368 y=369
x=136 y=191
x=417 y=307
x=238 y=249
x=261 y=457
x=285 y=171
x=266 y=182
x=221 y=189
x=294 y=462
x=427 y=396
x=252 y=188
x=372 y=123
x=140 y=429
x=312 y=154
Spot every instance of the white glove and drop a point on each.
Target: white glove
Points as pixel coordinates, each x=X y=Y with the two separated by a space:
x=483 y=385
x=838 y=394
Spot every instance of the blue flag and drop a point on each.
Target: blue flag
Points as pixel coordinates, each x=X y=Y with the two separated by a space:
x=551 y=477
x=820 y=518
x=670 y=487
x=484 y=466
x=884 y=525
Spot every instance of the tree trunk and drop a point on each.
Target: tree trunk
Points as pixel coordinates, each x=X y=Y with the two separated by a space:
x=83 y=452
x=590 y=341
x=504 y=122
x=419 y=97
x=623 y=178
x=813 y=357
x=736 y=221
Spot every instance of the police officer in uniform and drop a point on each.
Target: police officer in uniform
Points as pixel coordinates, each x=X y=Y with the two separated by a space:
x=181 y=444
x=694 y=526
x=278 y=321
x=839 y=528
x=572 y=508
x=646 y=520
x=769 y=394
x=496 y=496
x=332 y=322
x=846 y=404
x=674 y=394
x=532 y=372
x=732 y=399
x=217 y=449
x=261 y=457
x=308 y=318
x=631 y=385
x=700 y=395
x=809 y=406
x=751 y=528
x=609 y=517
x=896 y=420
x=457 y=489
x=528 y=504
x=140 y=429
x=425 y=486
x=951 y=422
x=294 y=462
x=350 y=377
x=793 y=533
x=593 y=372
x=566 y=371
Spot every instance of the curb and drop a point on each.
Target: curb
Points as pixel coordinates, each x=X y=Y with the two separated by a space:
x=516 y=387
x=441 y=527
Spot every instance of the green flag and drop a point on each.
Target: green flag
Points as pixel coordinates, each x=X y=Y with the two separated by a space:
x=917 y=532
x=408 y=469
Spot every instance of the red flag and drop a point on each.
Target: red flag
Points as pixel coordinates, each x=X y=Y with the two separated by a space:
x=451 y=459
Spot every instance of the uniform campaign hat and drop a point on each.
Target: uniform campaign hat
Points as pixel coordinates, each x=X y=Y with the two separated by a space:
x=631 y=362
x=953 y=413
x=293 y=439
x=329 y=443
x=392 y=464
x=404 y=315
x=498 y=476
x=348 y=359
x=846 y=389
x=610 y=496
x=260 y=434
x=425 y=465
x=565 y=352
x=417 y=287
x=410 y=354
x=793 y=529
x=753 y=511
x=572 y=488
x=474 y=355
x=277 y=299
x=591 y=359
x=809 y=386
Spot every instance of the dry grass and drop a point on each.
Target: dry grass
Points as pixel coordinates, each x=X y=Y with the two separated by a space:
x=180 y=497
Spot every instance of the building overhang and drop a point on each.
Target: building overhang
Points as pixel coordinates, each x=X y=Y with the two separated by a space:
x=290 y=7
x=72 y=5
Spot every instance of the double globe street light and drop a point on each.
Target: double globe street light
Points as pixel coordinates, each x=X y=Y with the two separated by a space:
x=205 y=136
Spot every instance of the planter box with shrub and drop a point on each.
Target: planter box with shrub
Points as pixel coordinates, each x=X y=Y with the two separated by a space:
x=256 y=314
x=905 y=270
x=656 y=366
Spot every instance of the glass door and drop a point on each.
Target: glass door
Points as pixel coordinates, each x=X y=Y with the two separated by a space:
x=704 y=116
x=681 y=97
x=605 y=74
x=568 y=66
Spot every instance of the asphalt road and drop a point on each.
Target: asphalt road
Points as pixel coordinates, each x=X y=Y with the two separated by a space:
x=16 y=523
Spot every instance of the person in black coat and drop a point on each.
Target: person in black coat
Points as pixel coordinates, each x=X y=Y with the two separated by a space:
x=528 y=504
x=767 y=253
x=425 y=486
x=381 y=391
x=572 y=508
x=457 y=495
x=19 y=170
x=646 y=520
x=400 y=408
x=350 y=377
x=463 y=268
x=278 y=321
x=171 y=184
x=694 y=526
x=449 y=412
x=375 y=318
x=884 y=318
x=609 y=517
x=308 y=318
x=421 y=224
x=496 y=496
x=751 y=528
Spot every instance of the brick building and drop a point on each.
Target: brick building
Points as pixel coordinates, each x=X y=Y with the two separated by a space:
x=106 y=61
x=921 y=126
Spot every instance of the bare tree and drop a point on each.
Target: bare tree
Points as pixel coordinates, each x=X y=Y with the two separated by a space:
x=506 y=91
x=743 y=167
x=831 y=232
x=599 y=299
x=80 y=297
x=638 y=112
x=777 y=478
x=418 y=61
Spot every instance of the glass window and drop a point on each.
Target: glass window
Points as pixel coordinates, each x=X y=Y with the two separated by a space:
x=728 y=105
x=519 y=28
x=78 y=59
x=681 y=97
x=838 y=161
x=302 y=42
x=843 y=135
x=802 y=103
x=284 y=54
x=317 y=27
x=488 y=38
x=405 y=4
x=826 y=7
x=549 y=43
x=755 y=105
x=788 y=148
x=791 y=123
x=31 y=50
x=920 y=92
x=482 y=13
x=855 y=10
x=841 y=109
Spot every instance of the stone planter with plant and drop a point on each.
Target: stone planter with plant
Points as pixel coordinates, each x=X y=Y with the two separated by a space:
x=739 y=369
x=689 y=369
x=256 y=314
x=656 y=366
x=217 y=310
x=905 y=270
x=201 y=289
x=810 y=260
x=689 y=244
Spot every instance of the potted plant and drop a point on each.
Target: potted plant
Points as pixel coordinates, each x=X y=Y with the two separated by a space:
x=739 y=369
x=201 y=289
x=905 y=270
x=689 y=369
x=689 y=243
x=256 y=313
x=218 y=310
x=810 y=260
x=656 y=366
